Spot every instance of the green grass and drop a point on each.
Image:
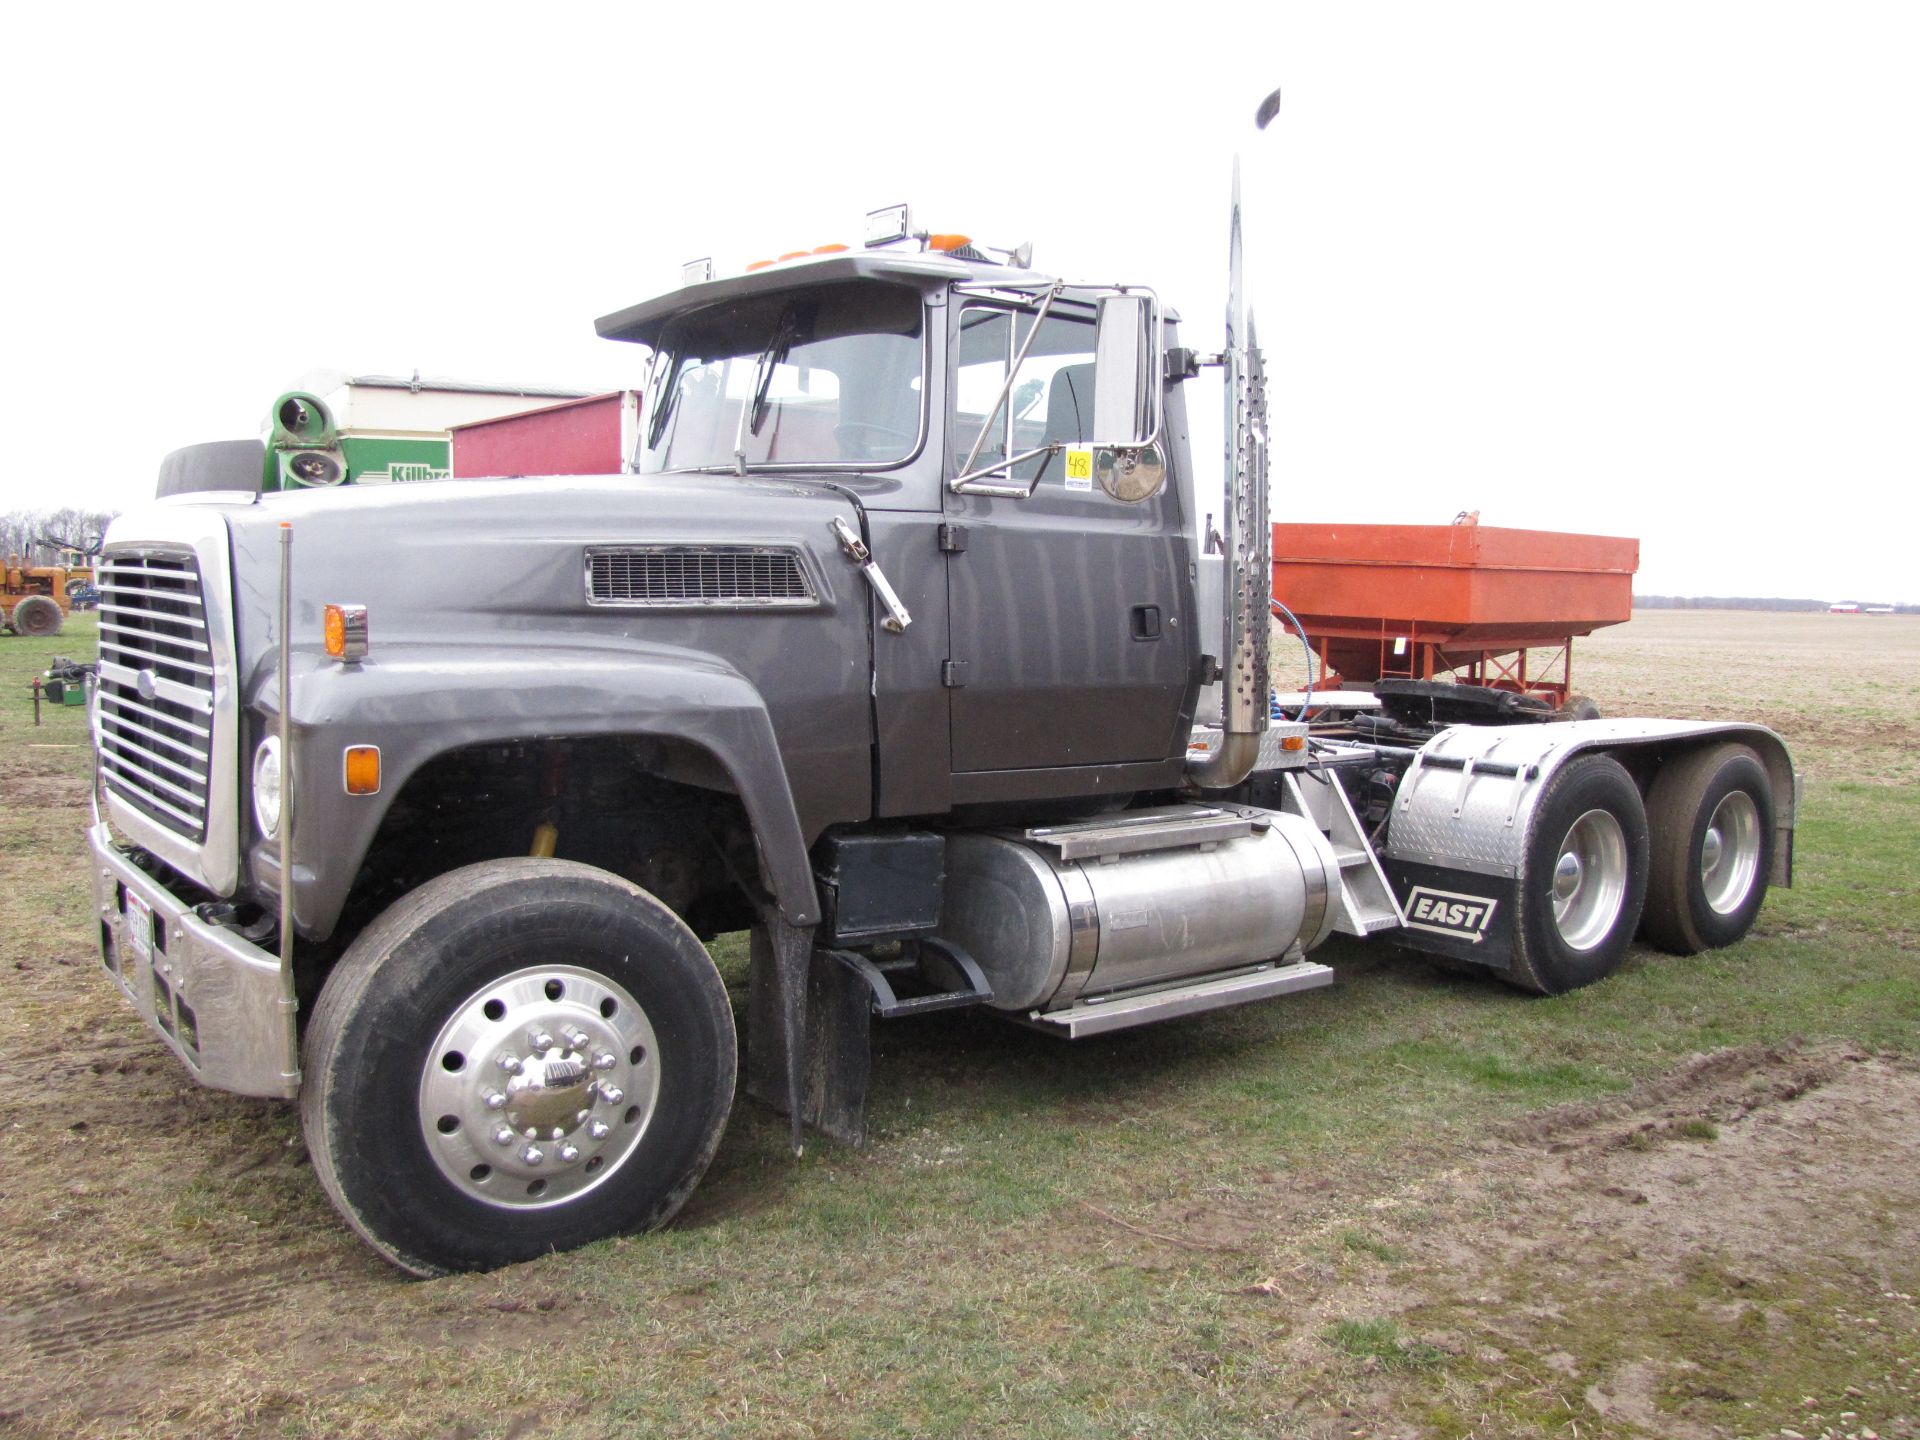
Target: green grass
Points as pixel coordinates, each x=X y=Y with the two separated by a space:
x=1382 y=1342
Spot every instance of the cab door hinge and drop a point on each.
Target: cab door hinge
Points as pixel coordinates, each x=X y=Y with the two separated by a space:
x=953 y=674
x=953 y=538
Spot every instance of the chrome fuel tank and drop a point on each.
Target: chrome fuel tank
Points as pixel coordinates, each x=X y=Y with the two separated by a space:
x=1063 y=913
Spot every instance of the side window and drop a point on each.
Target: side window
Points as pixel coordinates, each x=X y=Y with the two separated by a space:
x=1052 y=397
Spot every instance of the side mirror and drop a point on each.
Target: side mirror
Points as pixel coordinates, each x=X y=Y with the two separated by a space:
x=1127 y=383
x=1126 y=386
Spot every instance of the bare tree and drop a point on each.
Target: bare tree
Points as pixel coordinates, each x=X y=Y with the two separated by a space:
x=42 y=537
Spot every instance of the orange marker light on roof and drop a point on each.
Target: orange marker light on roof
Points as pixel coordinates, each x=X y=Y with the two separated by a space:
x=829 y=249
x=948 y=242
x=795 y=255
x=759 y=265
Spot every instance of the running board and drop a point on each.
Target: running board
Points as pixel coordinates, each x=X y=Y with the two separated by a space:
x=1123 y=1012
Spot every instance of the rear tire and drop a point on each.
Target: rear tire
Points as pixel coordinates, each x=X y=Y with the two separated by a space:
x=37 y=616
x=1711 y=817
x=522 y=1056
x=1578 y=707
x=1585 y=878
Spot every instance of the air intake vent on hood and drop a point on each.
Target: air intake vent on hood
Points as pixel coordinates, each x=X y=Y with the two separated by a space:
x=709 y=577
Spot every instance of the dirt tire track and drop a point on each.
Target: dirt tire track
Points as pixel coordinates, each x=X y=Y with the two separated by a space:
x=63 y=1320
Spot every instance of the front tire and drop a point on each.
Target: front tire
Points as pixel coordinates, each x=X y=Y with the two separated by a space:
x=1585 y=880
x=520 y=1057
x=1711 y=814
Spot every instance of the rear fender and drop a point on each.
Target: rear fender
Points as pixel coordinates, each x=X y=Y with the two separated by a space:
x=1467 y=801
x=418 y=702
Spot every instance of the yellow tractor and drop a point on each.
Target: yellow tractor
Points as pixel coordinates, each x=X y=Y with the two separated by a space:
x=37 y=598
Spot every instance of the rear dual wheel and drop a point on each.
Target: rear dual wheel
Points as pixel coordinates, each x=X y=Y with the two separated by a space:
x=520 y=1057
x=1711 y=817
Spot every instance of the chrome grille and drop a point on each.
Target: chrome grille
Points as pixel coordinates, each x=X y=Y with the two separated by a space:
x=699 y=576
x=154 y=704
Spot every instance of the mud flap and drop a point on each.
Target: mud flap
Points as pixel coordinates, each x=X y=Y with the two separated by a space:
x=809 y=1041
x=1455 y=913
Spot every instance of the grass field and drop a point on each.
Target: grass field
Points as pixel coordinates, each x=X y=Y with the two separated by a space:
x=1683 y=1202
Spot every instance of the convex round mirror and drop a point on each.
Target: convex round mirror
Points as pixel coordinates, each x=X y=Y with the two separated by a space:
x=1132 y=474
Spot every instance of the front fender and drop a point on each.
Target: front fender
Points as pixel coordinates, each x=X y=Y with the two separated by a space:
x=417 y=702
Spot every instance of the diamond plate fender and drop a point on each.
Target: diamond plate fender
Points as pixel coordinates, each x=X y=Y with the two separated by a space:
x=1467 y=801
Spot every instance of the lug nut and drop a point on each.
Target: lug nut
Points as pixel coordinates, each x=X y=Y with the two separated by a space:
x=598 y=1129
x=494 y=1099
x=604 y=1060
x=577 y=1039
x=509 y=1063
x=503 y=1136
x=540 y=1040
x=556 y=1133
x=612 y=1094
x=532 y=1155
x=569 y=1153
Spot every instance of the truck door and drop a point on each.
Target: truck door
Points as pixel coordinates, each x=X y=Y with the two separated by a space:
x=1070 y=644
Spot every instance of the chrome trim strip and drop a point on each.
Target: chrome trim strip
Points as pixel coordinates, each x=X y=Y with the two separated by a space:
x=1083 y=918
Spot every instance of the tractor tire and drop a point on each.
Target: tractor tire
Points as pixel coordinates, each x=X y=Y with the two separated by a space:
x=522 y=1056
x=1585 y=878
x=1578 y=707
x=1711 y=818
x=37 y=616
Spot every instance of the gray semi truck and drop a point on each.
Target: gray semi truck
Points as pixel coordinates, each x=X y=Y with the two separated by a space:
x=910 y=648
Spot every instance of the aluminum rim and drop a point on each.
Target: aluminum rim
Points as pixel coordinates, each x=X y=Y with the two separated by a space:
x=1589 y=880
x=1730 y=853
x=538 y=1087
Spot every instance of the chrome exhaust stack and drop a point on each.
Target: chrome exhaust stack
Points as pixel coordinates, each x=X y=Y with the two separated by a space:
x=1248 y=587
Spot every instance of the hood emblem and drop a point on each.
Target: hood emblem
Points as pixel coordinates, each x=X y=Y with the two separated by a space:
x=146 y=684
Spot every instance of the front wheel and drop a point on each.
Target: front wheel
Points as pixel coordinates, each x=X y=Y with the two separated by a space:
x=1711 y=813
x=520 y=1057
x=1585 y=880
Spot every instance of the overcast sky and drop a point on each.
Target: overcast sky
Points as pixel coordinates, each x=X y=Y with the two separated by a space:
x=1649 y=269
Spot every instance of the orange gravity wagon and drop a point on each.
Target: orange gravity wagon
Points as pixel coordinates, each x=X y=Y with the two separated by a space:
x=1491 y=606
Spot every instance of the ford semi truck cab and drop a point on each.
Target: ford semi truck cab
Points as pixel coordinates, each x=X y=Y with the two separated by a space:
x=910 y=647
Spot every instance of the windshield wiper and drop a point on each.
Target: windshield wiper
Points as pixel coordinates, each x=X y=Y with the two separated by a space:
x=753 y=414
x=663 y=403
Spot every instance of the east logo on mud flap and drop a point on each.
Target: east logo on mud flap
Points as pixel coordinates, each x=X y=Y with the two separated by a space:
x=1448 y=912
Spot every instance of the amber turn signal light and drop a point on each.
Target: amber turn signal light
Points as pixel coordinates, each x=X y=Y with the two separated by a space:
x=362 y=769
x=346 y=632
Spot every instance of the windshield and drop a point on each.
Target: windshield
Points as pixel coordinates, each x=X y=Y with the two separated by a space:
x=829 y=376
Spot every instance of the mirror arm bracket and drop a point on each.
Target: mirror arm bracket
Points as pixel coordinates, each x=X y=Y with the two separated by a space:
x=972 y=482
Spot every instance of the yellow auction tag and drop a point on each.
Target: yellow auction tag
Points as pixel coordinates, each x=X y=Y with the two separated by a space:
x=1079 y=467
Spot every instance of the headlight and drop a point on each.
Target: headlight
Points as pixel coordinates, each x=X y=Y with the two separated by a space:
x=266 y=786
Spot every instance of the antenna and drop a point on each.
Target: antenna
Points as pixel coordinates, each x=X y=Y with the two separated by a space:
x=1269 y=108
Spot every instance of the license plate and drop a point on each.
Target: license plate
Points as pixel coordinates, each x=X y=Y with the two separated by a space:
x=140 y=927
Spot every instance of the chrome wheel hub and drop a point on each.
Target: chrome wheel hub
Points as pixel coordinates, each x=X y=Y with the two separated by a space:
x=1730 y=852
x=1589 y=880
x=538 y=1086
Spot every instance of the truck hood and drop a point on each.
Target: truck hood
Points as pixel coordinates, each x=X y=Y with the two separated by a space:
x=499 y=561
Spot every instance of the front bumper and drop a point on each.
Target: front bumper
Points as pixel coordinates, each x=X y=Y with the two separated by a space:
x=211 y=995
